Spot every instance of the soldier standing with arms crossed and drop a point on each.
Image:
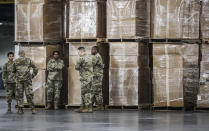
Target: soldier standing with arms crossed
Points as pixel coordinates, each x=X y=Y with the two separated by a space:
x=55 y=80
x=21 y=68
x=97 y=78
x=8 y=78
x=85 y=68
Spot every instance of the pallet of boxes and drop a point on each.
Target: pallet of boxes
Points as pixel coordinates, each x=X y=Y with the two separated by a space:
x=86 y=23
x=128 y=28
x=38 y=33
x=176 y=56
x=203 y=92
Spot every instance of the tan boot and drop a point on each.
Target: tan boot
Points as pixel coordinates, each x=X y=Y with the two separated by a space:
x=20 y=111
x=90 y=109
x=79 y=109
x=9 y=107
x=87 y=110
x=49 y=106
x=99 y=108
x=56 y=107
x=33 y=111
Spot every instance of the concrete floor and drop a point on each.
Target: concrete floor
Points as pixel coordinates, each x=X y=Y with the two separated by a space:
x=114 y=120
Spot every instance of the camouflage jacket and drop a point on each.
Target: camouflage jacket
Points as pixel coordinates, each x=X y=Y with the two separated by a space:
x=8 y=75
x=85 y=68
x=22 y=67
x=97 y=65
x=54 y=68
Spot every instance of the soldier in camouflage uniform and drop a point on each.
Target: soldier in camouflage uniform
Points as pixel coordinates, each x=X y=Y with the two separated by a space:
x=8 y=78
x=97 y=78
x=22 y=67
x=85 y=68
x=55 y=80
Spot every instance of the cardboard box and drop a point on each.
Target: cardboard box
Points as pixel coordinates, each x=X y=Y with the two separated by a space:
x=128 y=49
x=39 y=54
x=74 y=87
x=176 y=75
x=128 y=19
x=124 y=62
x=73 y=47
x=168 y=90
x=175 y=19
x=203 y=97
x=176 y=49
x=203 y=94
x=36 y=1
x=87 y=20
x=39 y=88
x=35 y=22
x=205 y=19
x=123 y=86
x=167 y=61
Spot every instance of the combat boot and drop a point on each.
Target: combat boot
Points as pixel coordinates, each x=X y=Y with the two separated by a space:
x=90 y=109
x=9 y=107
x=56 y=107
x=87 y=109
x=20 y=110
x=79 y=109
x=99 y=108
x=33 y=111
x=49 y=106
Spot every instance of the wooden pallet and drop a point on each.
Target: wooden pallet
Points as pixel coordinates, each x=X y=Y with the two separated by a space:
x=190 y=41
x=36 y=106
x=68 y=40
x=124 y=107
x=38 y=43
x=168 y=108
x=146 y=107
x=202 y=108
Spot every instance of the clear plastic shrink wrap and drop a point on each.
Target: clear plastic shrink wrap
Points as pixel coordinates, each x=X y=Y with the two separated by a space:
x=203 y=95
x=128 y=19
x=128 y=85
x=175 y=19
x=34 y=21
x=175 y=74
x=87 y=19
x=205 y=19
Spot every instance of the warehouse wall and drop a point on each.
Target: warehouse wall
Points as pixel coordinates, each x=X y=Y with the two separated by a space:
x=6 y=31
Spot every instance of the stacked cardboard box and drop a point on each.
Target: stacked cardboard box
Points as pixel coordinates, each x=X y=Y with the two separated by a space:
x=34 y=21
x=176 y=19
x=74 y=85
x=40 y=55
x=204 y=19
x=203 y=96
x=87 y=19
x=127 y=65
x=128 y=19
x=175 y=74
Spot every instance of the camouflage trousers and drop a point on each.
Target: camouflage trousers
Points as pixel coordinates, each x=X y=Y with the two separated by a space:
x=97 y=95
x=25 y=87
x=10 y=92
x=53 y=91
x=86 y=96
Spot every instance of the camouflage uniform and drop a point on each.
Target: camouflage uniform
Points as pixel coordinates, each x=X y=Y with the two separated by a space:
x=85 y=68
x=22 y=67
x=55 y=80
x=97 y=79
x=8 y=78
